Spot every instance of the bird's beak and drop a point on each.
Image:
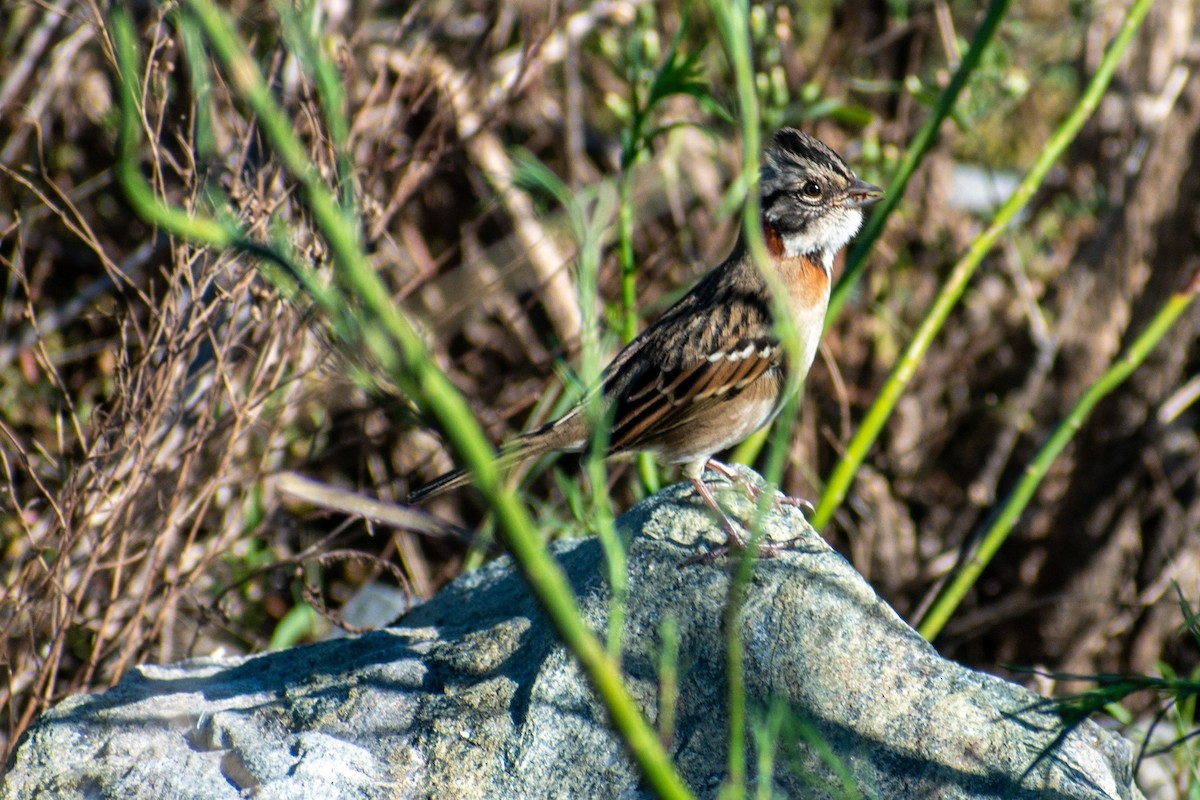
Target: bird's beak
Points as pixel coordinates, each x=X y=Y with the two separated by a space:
x=862 y=194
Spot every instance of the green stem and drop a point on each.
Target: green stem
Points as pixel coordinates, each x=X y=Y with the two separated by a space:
x=634 y=140
x=733 y=27
x=843 y=474
x=921 y=143
x=629 y=315
x=298 y=29
x=1009 y=513
x=588 y=232
x=399 y=350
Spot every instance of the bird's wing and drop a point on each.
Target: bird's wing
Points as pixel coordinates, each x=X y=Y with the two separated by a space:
x=663 y=397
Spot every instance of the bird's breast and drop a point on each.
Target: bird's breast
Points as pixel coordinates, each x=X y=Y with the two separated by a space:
x=805 y=276
x=807 y=279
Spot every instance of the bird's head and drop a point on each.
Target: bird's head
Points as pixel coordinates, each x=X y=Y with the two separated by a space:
x=810 y=198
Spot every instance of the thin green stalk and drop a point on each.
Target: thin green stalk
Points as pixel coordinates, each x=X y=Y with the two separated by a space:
x=200 y=75
x=856 y=452
x=588 y=233
x=629 y=315
x=748 y=450
x=1003 y=521
x=668 y=679
x=398 y=348
x=215 y=233
x=921 y=143
x=733 y=26
x=301 y=32
x=647 y=469
x=734 y=787
x=766 y=742
x=590 y=213
x=633 y=140
x=801 y=729
x=614 y=552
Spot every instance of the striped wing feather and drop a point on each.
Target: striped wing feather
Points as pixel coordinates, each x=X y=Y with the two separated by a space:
x=657 y=402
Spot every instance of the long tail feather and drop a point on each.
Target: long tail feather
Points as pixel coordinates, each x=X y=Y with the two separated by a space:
x=531 y=445
x=440 y=484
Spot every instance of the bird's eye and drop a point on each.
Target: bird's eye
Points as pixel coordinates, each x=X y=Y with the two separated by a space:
x=811 y=190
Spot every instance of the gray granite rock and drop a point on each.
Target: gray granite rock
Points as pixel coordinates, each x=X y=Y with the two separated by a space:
x=470 y=696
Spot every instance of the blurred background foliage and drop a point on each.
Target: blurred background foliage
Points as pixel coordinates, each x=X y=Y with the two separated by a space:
x=150 y=392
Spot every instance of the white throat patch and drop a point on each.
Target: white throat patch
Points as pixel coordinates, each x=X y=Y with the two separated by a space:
x=826 y=235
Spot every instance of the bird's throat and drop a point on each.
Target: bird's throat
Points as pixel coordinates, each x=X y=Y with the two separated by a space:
x=806 y=275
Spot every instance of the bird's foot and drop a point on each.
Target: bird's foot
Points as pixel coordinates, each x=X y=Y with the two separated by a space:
x=734 y=541
x=763 y=550
x=755 y=490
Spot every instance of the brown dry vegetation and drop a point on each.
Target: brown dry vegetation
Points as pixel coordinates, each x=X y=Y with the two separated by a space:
x=150 y=390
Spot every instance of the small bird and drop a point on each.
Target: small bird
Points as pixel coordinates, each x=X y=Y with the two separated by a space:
x=710 y=371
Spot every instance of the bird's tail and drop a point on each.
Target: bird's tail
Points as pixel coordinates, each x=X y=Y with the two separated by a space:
x=442 y=483
x=531 y=445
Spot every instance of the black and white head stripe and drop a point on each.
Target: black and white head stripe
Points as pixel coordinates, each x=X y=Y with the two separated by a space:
x=794 y=153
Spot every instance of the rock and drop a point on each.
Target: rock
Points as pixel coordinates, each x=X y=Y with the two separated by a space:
x=471 y=696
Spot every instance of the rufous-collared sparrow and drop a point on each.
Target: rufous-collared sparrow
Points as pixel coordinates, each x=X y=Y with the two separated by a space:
x=710 y=371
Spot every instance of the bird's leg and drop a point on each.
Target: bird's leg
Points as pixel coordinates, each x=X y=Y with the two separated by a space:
x=734 y=542
x=733 y=539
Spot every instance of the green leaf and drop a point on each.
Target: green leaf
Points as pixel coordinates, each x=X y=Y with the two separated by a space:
x=300 y=623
